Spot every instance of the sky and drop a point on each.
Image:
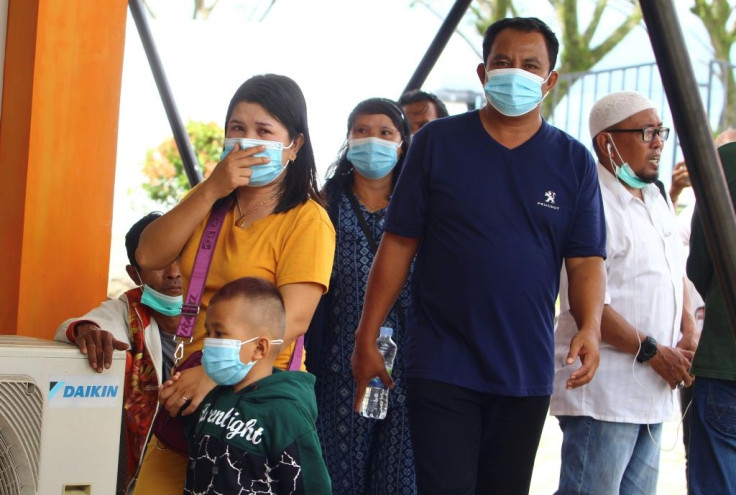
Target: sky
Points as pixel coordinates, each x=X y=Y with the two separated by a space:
x=339 y=52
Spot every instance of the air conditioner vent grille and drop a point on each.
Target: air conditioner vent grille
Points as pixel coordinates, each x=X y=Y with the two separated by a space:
x=9 y=481
x=21 y=414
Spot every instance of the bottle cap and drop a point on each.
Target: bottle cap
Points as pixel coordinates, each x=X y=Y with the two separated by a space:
x=386 y=332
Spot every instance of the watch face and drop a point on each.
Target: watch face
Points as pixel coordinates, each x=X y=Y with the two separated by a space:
x=648 y=350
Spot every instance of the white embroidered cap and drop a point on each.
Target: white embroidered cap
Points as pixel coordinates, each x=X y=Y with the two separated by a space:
x=615 y=107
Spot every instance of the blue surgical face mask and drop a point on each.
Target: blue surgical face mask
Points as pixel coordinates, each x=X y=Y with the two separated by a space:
x=513 y=92
x=624 y=171
x=166 y=305
x=221 y=360
x=262 y=174
x=373 y=158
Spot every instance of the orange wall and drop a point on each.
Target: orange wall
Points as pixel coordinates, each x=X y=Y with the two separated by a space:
x=58 y=140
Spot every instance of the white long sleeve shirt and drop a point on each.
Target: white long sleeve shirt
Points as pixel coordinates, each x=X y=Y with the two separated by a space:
x=645 y=286
x=112 y=315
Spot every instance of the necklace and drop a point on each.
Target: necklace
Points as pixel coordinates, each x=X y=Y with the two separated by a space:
x=379 y=205
x=240 y=222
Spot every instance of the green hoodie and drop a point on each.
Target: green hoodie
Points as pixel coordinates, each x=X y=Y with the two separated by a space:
x=261 y=440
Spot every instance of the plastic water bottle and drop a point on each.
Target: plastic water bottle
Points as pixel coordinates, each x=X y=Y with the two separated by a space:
x=375 y=400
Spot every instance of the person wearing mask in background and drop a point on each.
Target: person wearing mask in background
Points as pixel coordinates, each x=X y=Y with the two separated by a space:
x=612 y=429
x=275 y=228
x=491 y=202
x=712 y=449
x=421 y=107
x=364 y=456
x=144 y=321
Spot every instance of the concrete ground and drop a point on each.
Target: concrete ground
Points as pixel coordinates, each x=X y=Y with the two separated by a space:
x=671 y=466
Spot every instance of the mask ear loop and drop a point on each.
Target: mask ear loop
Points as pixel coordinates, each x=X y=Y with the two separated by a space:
x=609 y=145
x=254 y=361
x=545 y=82
x=140 y=279
x=293 y=157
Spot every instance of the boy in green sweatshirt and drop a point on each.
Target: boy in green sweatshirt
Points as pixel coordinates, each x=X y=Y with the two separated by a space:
x=255 y=432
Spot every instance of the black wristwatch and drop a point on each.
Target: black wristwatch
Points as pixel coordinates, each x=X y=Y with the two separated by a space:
x=647 y=351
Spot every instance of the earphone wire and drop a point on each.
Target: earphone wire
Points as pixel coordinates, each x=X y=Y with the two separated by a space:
x=634 y=362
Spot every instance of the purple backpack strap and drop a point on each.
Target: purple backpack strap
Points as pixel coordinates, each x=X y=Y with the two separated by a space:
x=202 y=260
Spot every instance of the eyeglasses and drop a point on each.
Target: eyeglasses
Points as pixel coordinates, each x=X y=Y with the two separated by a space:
x=647 y=133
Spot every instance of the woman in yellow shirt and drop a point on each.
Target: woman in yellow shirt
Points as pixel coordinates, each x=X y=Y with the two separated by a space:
x=275 y=228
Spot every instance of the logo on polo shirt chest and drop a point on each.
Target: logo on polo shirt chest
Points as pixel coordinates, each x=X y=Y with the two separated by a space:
x=549 y=200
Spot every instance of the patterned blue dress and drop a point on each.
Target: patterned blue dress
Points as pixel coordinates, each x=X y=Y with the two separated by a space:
x=363 y=456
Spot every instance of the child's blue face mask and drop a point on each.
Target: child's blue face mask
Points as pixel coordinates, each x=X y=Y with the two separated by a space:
x=268 y=172
x=221 y=360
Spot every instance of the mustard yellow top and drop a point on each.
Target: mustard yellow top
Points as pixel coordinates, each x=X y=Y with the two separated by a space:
x=284 y=248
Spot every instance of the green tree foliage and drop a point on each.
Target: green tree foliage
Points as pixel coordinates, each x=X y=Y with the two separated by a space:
x=718 y=18
x=486 y=12
x=166 y=181
x=578 y=52
x=481 y=13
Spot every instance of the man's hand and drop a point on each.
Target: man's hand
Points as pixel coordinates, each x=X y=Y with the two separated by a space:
x=174 y=378
x=97 y=344
x=584 y=345
x=367 y=363
x=185 y=391
x=673 y=365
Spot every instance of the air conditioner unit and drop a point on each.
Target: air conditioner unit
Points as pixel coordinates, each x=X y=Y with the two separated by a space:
x=59 y=419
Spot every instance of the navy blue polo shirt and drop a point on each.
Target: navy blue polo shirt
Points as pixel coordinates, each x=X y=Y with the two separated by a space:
x=495 y=225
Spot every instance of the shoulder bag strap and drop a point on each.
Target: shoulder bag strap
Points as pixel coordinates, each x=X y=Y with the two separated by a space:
x=400 y=313
x=295 y=363
x=361 y=220
x=202 y=260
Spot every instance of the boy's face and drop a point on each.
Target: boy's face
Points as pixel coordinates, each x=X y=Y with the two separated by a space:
x=228 y=320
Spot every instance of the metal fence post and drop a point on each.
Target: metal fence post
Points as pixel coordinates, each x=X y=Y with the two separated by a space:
x=703 y=164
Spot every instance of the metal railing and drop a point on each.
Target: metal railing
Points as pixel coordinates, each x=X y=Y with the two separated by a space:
x=715 y=99
x=570 y=110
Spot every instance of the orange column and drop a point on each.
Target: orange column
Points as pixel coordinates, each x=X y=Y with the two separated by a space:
x=58 y=140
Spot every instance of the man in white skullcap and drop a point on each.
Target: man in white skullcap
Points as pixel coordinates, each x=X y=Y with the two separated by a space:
x=612 y=427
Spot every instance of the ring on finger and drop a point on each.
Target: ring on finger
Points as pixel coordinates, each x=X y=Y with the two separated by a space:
x=186 y=399
x=680 y=385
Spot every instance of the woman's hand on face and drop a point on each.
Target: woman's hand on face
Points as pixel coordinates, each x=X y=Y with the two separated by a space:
x=183 y=394
x=234 y=171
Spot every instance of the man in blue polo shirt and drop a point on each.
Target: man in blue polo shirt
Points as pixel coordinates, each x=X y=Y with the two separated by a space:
x=491 y=202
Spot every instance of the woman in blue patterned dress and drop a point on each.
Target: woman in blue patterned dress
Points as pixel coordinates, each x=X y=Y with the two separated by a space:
x=363 y=456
